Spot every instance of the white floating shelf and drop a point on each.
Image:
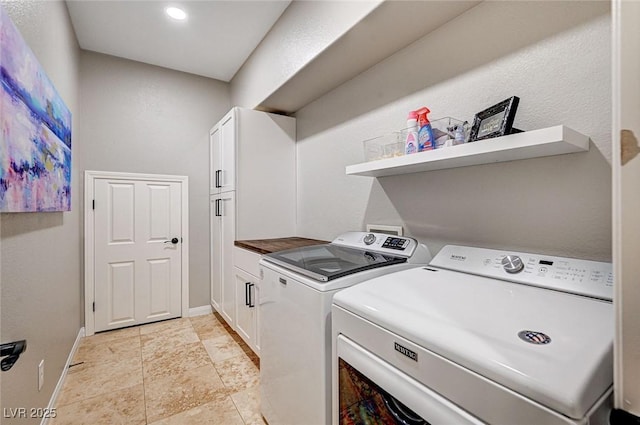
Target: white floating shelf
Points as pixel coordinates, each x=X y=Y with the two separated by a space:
x=529 y=144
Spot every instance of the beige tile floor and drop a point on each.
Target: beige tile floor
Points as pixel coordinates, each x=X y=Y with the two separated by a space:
x=178 y=372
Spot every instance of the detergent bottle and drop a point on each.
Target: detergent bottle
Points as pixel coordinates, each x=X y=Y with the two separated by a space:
x=411 y=142
x=426 y=141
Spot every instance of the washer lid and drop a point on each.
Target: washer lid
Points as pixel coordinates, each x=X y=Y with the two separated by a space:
x=331 y=261
x=552 y=347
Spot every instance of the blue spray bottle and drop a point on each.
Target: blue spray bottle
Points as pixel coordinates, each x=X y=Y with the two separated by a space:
x=426 y=141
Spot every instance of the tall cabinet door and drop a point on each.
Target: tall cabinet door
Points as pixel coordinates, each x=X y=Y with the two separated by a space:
x=215 y=252
x=214 y=160
x=222 y=158
x=222 y=216
x=222 y=222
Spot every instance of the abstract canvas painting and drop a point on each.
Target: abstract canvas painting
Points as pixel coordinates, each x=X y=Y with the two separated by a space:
x=35 y=143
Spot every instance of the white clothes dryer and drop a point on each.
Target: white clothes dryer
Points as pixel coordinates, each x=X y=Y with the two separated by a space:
x=479 y=336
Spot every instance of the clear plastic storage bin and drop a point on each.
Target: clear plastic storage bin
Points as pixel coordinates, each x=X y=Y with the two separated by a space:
x=449 y=131
x=386 y=146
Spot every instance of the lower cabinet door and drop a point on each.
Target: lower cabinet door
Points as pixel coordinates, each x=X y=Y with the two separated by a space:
x=246 y=306
x=256 y=313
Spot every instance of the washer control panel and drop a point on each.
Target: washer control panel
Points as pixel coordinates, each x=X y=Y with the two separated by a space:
x=583 y=277
x=397 y=243
x=379 y=242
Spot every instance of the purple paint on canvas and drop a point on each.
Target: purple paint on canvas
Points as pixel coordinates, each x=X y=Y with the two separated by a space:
x=35 y=148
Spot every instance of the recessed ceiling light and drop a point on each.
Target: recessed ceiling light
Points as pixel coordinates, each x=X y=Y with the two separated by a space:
x=176 y=13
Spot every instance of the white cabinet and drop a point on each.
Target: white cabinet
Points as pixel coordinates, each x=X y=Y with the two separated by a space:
x=253 y=196
x=222 y=222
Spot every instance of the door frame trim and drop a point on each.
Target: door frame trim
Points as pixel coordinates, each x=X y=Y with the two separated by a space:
x=89 y=225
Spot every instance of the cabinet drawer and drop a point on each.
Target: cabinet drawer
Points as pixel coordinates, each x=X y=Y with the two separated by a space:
x=247 y=261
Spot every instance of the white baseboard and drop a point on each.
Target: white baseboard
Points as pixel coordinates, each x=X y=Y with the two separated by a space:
x=63 y=375
x=200 y=311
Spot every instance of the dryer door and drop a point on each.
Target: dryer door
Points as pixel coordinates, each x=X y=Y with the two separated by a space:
x=370 y=390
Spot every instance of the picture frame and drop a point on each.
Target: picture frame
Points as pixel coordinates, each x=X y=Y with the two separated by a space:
x=495 y=121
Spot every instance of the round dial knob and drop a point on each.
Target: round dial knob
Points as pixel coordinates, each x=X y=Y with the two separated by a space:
x=369 y=239
x=512 y=264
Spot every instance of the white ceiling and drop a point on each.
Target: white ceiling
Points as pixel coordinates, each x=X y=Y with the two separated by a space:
x=214 y=41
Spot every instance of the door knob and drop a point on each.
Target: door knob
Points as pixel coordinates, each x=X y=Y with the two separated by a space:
x=173 y=241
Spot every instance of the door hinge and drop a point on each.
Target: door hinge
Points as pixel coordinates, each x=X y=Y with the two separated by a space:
x=94 y=306
x=94 y=204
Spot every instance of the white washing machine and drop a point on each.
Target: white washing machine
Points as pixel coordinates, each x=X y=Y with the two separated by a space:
x=477 y=337
x=295 y=323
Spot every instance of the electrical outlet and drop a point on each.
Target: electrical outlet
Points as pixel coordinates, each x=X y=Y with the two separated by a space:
x=40 y=374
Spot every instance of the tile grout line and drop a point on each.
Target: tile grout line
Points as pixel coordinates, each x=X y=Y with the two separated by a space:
x=227 y=388
x=144 y=386
x=238 y=410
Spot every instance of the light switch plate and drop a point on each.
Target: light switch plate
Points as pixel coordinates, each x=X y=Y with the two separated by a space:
x=40 y=374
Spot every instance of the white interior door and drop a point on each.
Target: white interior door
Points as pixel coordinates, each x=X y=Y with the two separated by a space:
x=137 y=249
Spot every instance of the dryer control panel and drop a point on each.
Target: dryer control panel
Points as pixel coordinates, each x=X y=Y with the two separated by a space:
x=582 y=277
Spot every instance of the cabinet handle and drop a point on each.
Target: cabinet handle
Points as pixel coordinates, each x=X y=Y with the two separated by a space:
x=218 y=213
x=246 y=293
x=251 y=304
x=218 y=178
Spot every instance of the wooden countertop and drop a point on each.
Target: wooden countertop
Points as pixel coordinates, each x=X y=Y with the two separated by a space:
x=267 y=246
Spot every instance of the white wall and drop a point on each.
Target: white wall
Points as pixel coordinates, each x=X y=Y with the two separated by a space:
x=305 y=29
x=554 y=55
x=40 y=256
x=144 y=119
